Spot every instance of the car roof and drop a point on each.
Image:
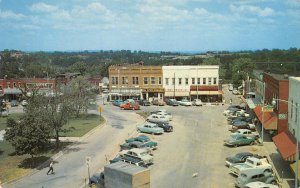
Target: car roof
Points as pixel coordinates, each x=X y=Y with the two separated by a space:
x=138 y=150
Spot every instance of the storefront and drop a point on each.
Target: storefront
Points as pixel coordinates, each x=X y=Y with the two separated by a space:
x=151 y=93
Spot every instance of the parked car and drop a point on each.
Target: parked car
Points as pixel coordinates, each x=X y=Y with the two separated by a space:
x=117 y=102
x=129 y=159
x=158 y=111
x=253 y=176
x=241 y=125
x=154 y=118
x=142 y=154
x=241 y=118
x=24 y=103
x=172 y=102
x=13 y=103
x=97 y=180
x=4 y=112
x=239 y=140
x=136 y=144
x=166 y=126
x=158 y=102
x=237 y=158
x=252 y=164
x=151 y=128
x=231 y=108
x=167 y=115
x=141 y=138
x=185 y=102
x=130 y=104
x=246 y=132
x=144 y=102
x=197 y=102
x=258 y=184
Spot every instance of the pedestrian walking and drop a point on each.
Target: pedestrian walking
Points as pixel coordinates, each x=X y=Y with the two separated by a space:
x=50 y=168
x=230 y=101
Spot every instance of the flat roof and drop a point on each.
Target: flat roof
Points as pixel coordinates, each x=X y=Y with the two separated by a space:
x=126 y=167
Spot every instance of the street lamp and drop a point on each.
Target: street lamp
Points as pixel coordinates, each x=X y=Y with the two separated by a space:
x=297 y=143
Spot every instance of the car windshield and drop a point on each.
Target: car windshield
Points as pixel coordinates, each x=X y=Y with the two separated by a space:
x=184 y=100
x=144 y=153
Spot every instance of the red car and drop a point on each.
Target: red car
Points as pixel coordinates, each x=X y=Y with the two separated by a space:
x=130 y=104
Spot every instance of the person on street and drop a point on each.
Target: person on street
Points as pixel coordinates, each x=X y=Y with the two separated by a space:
x=50 y=168
x=230 y=101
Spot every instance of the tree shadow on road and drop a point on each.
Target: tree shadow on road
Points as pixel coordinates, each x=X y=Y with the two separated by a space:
x=33 y=162
x=118 y=126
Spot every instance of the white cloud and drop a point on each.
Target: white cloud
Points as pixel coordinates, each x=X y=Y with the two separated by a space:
x=252 y=10
x=293 y=3
x=11 y=15
x=43 y=7
x=201 y=11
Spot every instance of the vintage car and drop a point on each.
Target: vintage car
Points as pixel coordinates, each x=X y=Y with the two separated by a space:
x=150 y=128
x=246 y=132
x=144 y=102
x=197 y=102
x=241 y=125
x=117 y=102
x=231 y=109
x=141 y=138
x=167 y=115
x=239 y=140
x=172 y=102
x=185 y=102
x=258 y=184
x=240 y=118
x=158 y=111
x=97 y=180
x=166 y=126
x=237 y=158
x=251 y=164
x=154 y=118
x=142 y=154
x=130 y=104
x=129 y=159
x=137 y=144
x=254 y=176
x=158 y=102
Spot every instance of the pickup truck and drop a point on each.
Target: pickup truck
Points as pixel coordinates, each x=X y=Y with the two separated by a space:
x=252 y=164
x=130 y=104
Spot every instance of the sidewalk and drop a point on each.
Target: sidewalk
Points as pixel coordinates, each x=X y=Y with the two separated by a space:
x=280 y=166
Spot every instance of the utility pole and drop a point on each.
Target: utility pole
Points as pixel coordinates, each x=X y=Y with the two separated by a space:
x=174 y=86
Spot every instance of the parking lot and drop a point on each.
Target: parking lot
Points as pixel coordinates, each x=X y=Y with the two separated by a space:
x=194 y=155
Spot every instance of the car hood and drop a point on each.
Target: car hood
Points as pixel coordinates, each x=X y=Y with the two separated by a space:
x=232 y=159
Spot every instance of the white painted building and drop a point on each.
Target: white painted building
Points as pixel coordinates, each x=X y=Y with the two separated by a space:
x=294 y=100
x=190 y=81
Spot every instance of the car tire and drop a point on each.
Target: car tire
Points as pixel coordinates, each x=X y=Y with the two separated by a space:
x=267 y=171
x=235 y=145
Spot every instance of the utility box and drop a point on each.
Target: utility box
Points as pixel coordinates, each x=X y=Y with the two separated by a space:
x=125 y=175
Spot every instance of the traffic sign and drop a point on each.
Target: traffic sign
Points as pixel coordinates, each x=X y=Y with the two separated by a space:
x=100 y=109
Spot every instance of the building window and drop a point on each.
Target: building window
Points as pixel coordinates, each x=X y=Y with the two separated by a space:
x=135 y=80
x=198 y=81
x=159 y=80
x=215 y=81
x=15 y=85
x=115 y=80
x=209 y=81
x=152 y=80
x=167 y=81
x=193 y=81
x=125 y=80
x=8 y=84
x=173 y=81
x=145 y=80
x=204 y=81
x=1 y=88
x=296 y=115
x=186 y=81
x=179 y=81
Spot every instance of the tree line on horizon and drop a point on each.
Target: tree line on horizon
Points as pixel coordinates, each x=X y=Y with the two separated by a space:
x=18 y=64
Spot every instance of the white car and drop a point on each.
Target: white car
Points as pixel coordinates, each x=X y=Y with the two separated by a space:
x=185 y=102
x=197 y=102
x=246 y=132
x=165 y=114
x=154 y=118
x=24 y=103
x=260 y=185
x=139 y=153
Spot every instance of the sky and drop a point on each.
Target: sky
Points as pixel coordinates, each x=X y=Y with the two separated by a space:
x=149 y=25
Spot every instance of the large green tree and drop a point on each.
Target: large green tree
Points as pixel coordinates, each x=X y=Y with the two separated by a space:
x=241 y=68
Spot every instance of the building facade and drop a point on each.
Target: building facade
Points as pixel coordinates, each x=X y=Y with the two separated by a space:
x=199 y=81
x=135 y=81
x=294 y=99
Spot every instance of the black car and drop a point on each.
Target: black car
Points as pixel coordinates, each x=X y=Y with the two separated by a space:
x=166 y=126
x=242 y=118
x=240 y=125
x=129 y=159
x=97 y=180
x=144 y=102
x=172 y=102
x=238 y=158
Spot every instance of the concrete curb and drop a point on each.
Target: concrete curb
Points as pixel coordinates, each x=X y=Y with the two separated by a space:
x=57 y=155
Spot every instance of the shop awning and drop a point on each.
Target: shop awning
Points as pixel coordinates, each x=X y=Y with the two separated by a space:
x=270 y=118
x=14 y=91
x=207 y=92
x=286 y=145
x=293 y=167
x=253 y=102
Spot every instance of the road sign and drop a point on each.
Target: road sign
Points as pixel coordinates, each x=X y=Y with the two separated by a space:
x=100 y=109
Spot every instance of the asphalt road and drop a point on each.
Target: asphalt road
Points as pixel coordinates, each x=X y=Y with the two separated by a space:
x=70 y=167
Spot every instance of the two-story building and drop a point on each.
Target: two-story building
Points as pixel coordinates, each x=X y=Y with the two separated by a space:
x=135 y=81
x=192 y=81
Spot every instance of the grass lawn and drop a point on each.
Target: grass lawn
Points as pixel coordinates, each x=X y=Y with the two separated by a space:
x=80 y=126
x=13 y=166
x=3 y=119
